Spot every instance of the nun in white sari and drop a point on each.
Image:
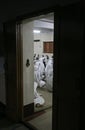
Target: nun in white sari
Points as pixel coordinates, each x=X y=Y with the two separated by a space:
x=39 y=71
x=38 y=99
x=49 y=75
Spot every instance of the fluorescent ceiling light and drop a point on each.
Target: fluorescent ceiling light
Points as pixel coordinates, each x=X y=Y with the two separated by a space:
x=36 y=31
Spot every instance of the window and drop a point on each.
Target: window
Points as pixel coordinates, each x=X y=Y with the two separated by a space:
x=48 y=47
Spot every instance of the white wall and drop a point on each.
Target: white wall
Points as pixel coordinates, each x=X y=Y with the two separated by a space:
x=28 y=72
x=2 y=82
x=43 y=36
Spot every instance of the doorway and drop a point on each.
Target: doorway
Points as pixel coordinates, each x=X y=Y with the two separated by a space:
x=67 y=69
x=37 y=51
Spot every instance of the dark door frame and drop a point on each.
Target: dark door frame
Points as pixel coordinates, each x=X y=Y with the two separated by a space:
x=20 y=60
x=13 y=57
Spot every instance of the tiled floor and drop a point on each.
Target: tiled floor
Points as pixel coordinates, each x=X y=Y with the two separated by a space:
x=44 y=121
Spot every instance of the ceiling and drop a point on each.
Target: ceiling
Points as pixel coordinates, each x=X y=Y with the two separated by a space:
x=47 y=22
x=48 y=18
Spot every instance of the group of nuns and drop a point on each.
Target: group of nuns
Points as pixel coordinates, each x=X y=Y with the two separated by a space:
x=43 y=76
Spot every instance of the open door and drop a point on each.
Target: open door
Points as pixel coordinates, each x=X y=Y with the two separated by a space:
x=37 y=83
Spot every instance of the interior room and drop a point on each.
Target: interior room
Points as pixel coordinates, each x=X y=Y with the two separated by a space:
x=38 y=37
x=43 y=52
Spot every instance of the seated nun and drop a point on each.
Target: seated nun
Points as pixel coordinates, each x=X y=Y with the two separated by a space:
x=38 y=99
x=49 y=75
